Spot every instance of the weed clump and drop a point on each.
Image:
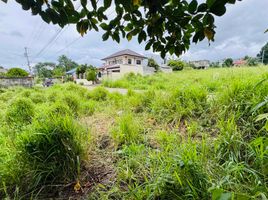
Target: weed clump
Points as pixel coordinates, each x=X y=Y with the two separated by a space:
x=72 y=101
x=98 y=94
x=51 y=151
x=127 y=131
x=20 y=112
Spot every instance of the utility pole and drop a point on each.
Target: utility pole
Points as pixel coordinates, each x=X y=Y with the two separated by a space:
x=263 y=55
x=28 y=61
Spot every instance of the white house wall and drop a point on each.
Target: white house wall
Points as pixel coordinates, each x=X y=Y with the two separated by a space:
x=123 y=60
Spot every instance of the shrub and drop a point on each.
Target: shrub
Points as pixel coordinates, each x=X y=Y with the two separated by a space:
x=152 y=63
x=16 y=72
x=176 y=65
x=20 y=112
x=92 y=75
x=228 y=62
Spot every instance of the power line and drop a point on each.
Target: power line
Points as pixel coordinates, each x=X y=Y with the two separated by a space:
x=37 y=34
x=68 y=45
x=49 y=42
x=34 y=29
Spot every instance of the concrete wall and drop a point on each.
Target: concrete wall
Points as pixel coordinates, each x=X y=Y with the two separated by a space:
x=9 y=82
x=166 y=69
x=148 y=70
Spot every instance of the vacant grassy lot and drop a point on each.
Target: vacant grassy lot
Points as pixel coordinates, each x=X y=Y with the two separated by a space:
x=189 y=135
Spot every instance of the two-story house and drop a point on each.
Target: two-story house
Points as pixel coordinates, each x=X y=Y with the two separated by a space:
x=123 y=62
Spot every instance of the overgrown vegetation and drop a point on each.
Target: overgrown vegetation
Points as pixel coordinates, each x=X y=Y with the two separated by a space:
x=187 y=135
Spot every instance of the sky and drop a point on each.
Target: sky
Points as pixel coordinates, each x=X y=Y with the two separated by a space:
x=239 y=32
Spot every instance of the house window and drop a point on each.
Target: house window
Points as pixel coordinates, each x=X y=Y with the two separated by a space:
x=116 y=71
x=129 y=61
x=138 y=62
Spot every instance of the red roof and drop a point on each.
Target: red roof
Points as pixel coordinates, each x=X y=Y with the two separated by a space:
x=240 y=62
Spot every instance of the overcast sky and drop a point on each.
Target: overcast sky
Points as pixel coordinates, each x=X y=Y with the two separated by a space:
x=240 y=32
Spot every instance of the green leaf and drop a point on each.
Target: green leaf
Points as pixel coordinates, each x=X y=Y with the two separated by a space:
x=84 y=3
x=104 y=26
x=192 y=6
x=69 y=4
x=202 y=7
x=94 y=4
x=266 y=31
x=196 y=37
x=210 y=3
x=258 y=106
x=219 y=194
x=107 y=3
x=116 y=37
x=105 y=36
x=261 y=117
x=148 y=45
x=45 y=17
x=141 y=36
x=218 y=9
x=129 y=36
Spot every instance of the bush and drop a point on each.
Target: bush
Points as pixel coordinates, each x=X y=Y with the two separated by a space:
x=16 y=72
x=176 y=65
x=20 y=112
x=153 y=63
x=92 y=75
x=228 y=62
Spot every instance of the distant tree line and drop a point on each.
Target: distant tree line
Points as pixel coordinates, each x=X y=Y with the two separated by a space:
x=50 y=69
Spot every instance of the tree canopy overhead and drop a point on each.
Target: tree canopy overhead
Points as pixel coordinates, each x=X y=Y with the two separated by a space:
x=165 y=25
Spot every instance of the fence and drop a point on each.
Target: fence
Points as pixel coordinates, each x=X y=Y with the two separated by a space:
x=16 y=81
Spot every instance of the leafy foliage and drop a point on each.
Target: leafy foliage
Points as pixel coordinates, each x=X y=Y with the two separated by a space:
x=16 y=72
x=228 y=62
x=66 y=63
x=166 y=26
x=91 y=74
x=263 y=55
x=176 y=65
x=252 y=61
x=152 y=63
x=44 y=70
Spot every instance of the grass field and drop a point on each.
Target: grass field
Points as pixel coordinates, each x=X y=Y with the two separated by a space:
x=193 y=134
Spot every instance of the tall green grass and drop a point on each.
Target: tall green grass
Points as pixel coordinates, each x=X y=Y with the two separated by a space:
x=187 y=135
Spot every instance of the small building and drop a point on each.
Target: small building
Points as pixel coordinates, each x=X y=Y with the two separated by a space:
x=200 y=64
x=72 y=73
x=123 y=62
x=3 y=70
x=239 y=62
